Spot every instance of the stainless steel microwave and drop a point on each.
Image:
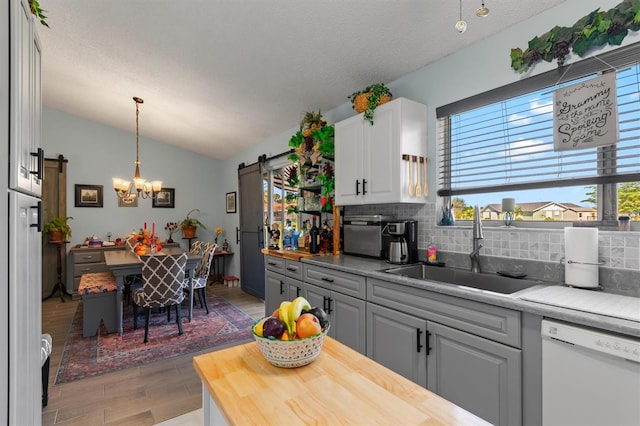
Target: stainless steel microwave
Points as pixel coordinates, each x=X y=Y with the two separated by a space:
x=363 y=235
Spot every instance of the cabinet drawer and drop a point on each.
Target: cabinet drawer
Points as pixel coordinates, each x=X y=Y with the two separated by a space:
x=493 y=322
x=293 y=269
x=343 y=282
x=275 y=264
x=88 y=268
x=88 y=257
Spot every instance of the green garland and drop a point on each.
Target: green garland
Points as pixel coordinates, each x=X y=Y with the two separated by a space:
x=596 y=29
x=38 y=12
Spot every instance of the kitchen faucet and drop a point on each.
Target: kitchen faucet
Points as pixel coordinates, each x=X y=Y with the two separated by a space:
x=477 y=236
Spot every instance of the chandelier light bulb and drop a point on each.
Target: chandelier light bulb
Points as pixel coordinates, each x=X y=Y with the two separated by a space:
x=461 y=26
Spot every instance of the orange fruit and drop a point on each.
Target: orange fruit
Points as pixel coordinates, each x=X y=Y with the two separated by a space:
x=258 y=328
x=285 y=336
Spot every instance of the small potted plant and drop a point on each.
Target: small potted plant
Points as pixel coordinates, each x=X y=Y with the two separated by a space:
x=57 y=228
x=171 y=228
x=369 y=99
x=190 y=224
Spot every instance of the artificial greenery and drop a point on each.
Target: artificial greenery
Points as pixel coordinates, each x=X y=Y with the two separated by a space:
x=596 y=29
x=38 y=12
x=324 y=140
x=58 y=223
x=313 y=142
x=190 y=221
x=376 y=92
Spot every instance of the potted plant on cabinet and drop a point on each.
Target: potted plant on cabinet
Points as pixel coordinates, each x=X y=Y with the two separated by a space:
x=190 y=224
x=369 y=99
x=57 y=228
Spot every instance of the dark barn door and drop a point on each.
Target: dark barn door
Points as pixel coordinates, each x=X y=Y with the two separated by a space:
x=251 y=196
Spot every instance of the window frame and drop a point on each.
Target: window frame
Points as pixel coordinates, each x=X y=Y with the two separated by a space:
x=606 y=185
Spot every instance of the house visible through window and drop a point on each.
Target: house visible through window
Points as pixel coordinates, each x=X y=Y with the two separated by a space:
x=500 y=144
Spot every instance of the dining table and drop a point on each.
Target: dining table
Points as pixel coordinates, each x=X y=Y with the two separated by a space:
x=124 y=262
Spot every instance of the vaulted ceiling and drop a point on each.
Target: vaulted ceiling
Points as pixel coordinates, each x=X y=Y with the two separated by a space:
x=218 y=76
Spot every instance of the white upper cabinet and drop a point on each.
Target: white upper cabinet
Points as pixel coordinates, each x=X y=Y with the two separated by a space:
x=369 y=164
x=26 y=156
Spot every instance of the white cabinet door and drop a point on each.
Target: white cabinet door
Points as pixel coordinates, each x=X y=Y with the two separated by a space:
x=25 y=92
x=369 y=167
x=349 y=164
x=381 y=155
x=24 y=295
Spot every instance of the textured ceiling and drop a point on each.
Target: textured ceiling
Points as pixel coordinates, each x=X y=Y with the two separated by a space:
x=218 y=76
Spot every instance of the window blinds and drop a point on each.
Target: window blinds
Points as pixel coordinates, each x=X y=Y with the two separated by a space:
x=507 y=144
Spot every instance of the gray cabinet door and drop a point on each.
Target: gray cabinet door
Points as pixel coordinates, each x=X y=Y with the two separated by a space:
x=347 y=315
x=293 y=288
x=398 y=341
x=275 y=291
x=479 y=375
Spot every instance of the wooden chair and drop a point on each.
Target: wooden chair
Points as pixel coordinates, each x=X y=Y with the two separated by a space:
x=162 y=280
x=201 y=275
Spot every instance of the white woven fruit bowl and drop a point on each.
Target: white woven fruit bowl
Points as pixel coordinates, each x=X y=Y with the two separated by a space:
x=290 y=353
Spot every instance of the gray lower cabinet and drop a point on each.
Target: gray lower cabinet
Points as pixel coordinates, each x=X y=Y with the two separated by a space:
x=346 y=314
x=477 y=374
x=282 y=282
x=398 y=341
x=465 y=351
x=275 y=291
x=342 y=296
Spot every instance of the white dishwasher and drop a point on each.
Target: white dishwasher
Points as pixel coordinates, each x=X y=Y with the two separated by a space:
x=589 y=377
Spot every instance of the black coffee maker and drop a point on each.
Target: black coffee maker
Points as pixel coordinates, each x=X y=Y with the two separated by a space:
x=403 y=247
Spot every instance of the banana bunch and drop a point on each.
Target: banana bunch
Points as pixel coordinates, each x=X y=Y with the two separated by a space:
x=290 y=311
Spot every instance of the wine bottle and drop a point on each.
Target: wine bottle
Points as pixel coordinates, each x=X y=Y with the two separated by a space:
x=314 y=237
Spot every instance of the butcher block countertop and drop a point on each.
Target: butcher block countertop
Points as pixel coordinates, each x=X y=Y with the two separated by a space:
x=340 y=387
x=293 y=254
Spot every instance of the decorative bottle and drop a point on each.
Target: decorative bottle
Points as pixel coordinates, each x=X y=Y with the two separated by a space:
x=314 y=237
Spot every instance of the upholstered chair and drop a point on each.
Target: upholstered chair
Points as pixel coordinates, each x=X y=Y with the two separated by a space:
x=162 y=280
x=201 y=274
x=197 y=247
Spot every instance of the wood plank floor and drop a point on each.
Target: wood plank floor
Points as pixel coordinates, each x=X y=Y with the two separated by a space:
x=143 y=395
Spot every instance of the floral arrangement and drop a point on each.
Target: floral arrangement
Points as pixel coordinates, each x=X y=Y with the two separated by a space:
x=145 y=241
x=219 y=231
x=596 y=29
x=171 y=228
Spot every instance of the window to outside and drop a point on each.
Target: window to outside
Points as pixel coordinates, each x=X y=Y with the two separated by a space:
x=505 y=149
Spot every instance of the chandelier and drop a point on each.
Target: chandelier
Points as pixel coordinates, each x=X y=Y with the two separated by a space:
x=144 y=189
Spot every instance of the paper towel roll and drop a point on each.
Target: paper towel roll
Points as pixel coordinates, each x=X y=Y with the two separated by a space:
x=581 y=257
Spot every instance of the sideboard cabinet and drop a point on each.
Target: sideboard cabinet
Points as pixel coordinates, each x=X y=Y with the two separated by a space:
x=87 y=260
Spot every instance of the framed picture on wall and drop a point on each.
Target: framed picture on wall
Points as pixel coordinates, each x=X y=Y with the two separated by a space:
x=231 y=202
x=88 y=195
x=165 y=198
x=130 y=200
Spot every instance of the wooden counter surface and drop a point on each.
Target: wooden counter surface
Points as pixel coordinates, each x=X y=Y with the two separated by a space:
x=293 y=254
x=340 y=387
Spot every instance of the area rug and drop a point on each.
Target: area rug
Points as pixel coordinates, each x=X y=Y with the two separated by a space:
x=106 y=352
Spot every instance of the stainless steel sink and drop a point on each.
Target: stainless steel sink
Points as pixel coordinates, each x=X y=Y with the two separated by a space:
x=462 y=277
